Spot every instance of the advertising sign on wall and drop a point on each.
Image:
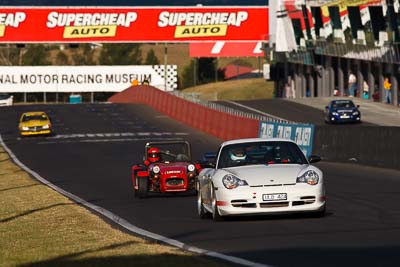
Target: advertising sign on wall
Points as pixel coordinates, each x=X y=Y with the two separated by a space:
x=139 y=24
x=84 y=78
x=302 y=134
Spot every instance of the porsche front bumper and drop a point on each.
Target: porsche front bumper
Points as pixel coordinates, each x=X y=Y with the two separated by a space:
x=292 y=199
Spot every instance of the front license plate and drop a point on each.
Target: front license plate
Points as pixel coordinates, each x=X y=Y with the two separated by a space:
x=344 y=117
x=272 y=197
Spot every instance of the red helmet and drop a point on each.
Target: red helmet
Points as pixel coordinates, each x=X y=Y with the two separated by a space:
x=153 y=154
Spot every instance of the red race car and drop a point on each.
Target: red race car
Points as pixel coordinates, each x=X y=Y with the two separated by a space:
x=166 y=167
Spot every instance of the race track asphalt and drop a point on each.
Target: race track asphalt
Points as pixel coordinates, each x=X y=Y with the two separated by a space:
x=96 y=144
x=284 y=109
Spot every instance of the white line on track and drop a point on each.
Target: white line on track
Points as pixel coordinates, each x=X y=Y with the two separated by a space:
x=94 y=135
x=130 y=227
x=105 y=140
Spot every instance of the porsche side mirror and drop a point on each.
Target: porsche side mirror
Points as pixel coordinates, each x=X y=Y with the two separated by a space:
x=358 y=106
x=211 y=165
x=314 y=158
x=206 y=164
x=326 y=107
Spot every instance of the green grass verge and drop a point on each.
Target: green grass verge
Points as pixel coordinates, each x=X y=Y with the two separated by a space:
x=39 y=227
x=243 y=89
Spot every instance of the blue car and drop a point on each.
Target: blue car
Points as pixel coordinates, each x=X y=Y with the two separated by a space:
x=341 y=111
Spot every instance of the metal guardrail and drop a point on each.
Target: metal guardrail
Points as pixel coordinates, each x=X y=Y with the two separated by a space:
x=194 y=97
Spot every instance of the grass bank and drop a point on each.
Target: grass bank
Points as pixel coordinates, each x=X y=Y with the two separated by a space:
x=39 y=227
x=243 y=89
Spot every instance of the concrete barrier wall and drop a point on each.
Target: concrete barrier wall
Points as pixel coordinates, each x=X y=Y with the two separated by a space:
x=371 y=145
x=222 y=125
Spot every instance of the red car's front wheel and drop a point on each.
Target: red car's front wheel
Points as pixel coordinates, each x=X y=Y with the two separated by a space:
x=143 y=187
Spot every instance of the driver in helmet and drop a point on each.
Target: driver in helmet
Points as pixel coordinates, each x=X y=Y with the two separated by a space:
x=238 y=154
x=153 y=154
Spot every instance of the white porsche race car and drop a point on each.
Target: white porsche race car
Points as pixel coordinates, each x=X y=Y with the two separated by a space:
x=260 y=176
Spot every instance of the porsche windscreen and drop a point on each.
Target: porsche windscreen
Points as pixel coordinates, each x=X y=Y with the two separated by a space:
x=260 y=153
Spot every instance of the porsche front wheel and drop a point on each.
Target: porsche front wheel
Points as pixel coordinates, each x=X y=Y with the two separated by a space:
x=200 y=208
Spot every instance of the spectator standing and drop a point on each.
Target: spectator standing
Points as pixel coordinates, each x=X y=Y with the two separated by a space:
x=388 y=92
x=288 y=90
x=352 y=84
x=293 y=88
x=365 y=90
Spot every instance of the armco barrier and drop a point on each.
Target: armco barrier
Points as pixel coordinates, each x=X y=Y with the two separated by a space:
x=222 y=125
x=369 y=145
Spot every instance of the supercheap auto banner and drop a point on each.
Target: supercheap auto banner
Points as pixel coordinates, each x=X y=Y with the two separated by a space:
x=139 y=24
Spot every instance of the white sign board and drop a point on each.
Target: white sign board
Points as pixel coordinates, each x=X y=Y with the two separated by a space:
x=29 y=79
x=266 y=71
x=302 y=134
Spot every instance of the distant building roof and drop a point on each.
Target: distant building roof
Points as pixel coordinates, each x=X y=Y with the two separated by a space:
x=234 y=71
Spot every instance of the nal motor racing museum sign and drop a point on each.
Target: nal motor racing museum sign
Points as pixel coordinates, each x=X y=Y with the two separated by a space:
x=84 y=78
x=138 y=24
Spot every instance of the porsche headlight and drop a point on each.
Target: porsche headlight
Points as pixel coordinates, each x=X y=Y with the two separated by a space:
x=156 y=169
x=310 y=177
x=191 y=167
x=24 y=128
x=335 y=113
x=230 y=181
x=45 y=126
x=355 y=113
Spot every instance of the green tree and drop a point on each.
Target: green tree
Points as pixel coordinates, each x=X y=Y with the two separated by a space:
x=61 y=58
x=9 y=55
x=201 y=71
x=151 y=58
x=82 y=55
x=35 y=55
x=206 y=70
x=188 y=75
x=120 y=54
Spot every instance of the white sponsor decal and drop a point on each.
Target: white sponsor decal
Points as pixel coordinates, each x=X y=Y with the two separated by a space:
x=172 y=172
x=56 y=19
x=196 y=18
x=12 y=19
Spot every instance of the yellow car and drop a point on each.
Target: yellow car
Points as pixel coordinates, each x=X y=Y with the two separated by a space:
x=34 y=123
